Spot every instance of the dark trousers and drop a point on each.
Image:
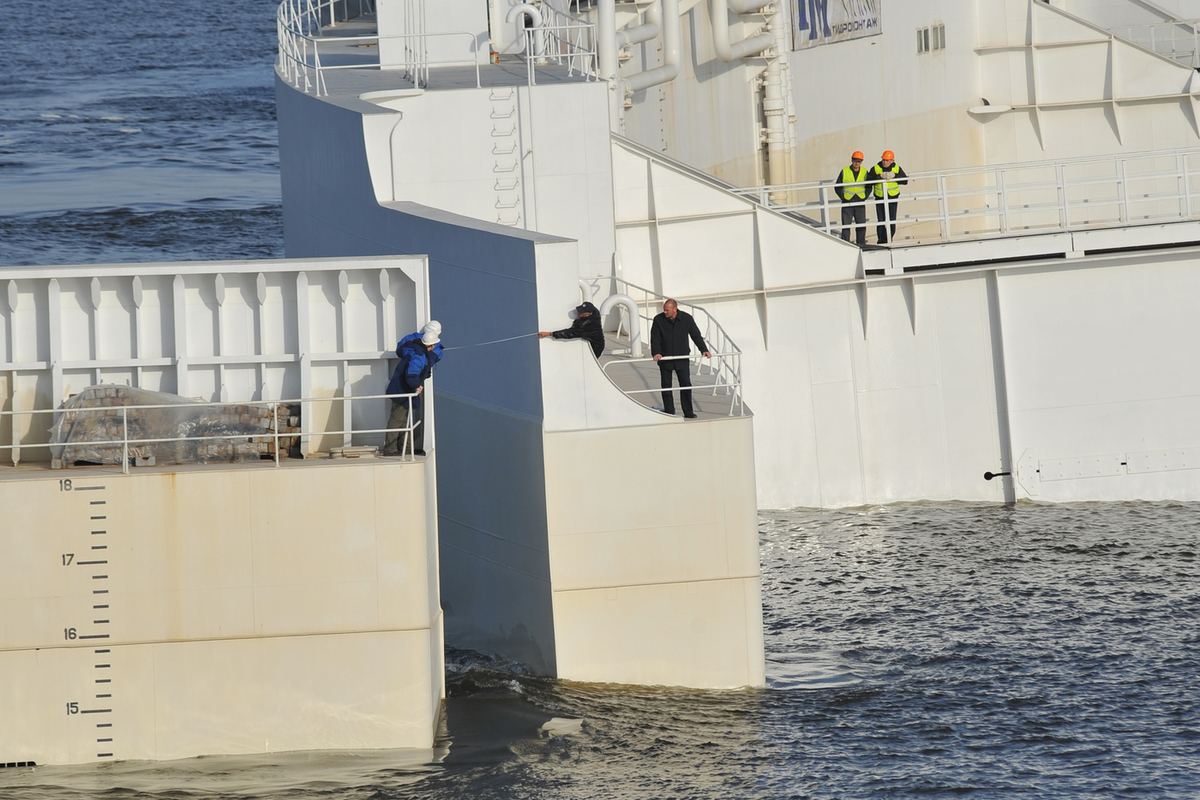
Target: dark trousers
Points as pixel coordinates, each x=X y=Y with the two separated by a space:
x=683 y=368
x=855 y=213
x=885 y=212
x=393 y=441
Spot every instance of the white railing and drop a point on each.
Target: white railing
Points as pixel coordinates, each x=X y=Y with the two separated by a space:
x=1177 y=39
x=724 y=368
x=1158 y=186
x=130 y=444
x=305 y=48
x=564 y=40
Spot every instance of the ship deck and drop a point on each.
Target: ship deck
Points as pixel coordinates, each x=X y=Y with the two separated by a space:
x=352 y=67
x=709 y=400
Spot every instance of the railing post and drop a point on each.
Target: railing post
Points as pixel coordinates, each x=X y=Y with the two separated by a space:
x=1064 y=209
x=1123 y=192
x=943 y=206
x=16 y=428
x=125 y=439
x=825 y=210
x=1002 y=191
x=347 y=415
x=1187 y=184
x=275 y=415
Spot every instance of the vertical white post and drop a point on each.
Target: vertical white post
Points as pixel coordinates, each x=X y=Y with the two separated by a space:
x=1123 y=192
x=606 y=44
x=1187 y=183
x=347 y=406
x=1003 y=200
x=944 y=206
x=138 y=349
x=302 y=341
x=125 y=439
x=181 y=359
x=1060 y=179
x=54 y=331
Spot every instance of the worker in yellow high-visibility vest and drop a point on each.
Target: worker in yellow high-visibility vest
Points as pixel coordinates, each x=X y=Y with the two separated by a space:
x=886 y=179
x=850 y=186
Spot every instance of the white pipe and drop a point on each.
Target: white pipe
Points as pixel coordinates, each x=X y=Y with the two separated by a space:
x=775 y=104
x=630 y=306
x=719 y=13
x=606 y=44
x=535 y=21
x=585 y=291
x=670 y=53
x=642 y=33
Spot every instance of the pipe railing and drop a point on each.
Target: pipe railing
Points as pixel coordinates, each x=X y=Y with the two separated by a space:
x=703 y=367
x=563 y=40
x=1158 y=186
x=126 y=442
x=1177 y=39
x=725 y=365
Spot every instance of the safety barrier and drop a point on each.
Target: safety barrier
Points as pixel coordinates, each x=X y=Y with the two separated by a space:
x=126 y=442
x=724 y=368
x=1008 y=199
x=306 y=48
x=1177 y=39
x=564 y=40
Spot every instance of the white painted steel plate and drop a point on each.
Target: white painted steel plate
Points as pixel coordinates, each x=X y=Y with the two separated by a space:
x=1065 y=469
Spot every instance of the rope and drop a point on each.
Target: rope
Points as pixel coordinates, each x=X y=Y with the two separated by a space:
x=494 y=341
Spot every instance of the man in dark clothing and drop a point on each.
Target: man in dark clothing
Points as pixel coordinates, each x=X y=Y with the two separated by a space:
x=418 y=353
x=669 y=334
x=586 y=326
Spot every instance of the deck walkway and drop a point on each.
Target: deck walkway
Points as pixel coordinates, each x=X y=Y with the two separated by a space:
x=349 y=58
x=641 y=375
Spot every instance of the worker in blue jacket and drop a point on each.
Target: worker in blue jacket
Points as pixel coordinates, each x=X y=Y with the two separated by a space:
x=418 y=352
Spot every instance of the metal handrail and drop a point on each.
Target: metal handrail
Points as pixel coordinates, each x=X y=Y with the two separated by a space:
x=726 y=364
x=1164 y=37
x=1031 y=197
x=274 y=435
x=562 y=39
x=718 y=387
x=297 y=62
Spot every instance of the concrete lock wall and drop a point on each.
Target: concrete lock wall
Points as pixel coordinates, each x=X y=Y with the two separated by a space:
x=143 y=620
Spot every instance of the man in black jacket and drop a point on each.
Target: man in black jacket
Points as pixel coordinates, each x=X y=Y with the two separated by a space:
x=669 y=334
x=586 y=326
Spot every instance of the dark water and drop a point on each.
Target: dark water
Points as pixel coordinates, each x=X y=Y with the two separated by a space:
x=138 y=132
x=930 y=651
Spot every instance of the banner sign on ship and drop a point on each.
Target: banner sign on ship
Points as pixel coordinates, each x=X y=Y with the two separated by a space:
x=817 y=22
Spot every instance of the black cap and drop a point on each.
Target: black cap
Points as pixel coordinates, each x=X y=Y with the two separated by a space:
x=586 y=308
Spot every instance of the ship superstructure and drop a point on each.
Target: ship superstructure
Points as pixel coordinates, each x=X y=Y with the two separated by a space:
x=1049 y=144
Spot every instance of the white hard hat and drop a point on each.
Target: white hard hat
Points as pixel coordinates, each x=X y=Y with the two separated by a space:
x=431 y=333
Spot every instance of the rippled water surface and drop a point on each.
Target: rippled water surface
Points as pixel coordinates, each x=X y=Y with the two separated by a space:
x=927 y=650
x=136 y=132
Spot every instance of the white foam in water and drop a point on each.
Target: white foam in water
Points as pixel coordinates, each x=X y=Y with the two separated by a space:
x=558 y=726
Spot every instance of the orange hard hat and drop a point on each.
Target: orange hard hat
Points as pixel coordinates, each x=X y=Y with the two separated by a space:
x=888 y=155
x=856 y=155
